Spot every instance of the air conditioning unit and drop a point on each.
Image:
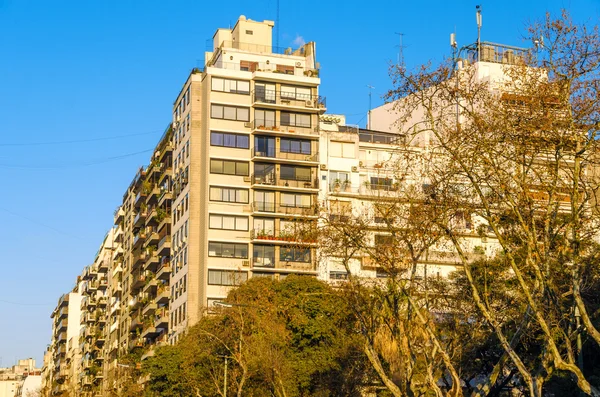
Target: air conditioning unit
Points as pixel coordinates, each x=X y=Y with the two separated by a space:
x=298 y=64
x=245 y=263
x=354 y=169
x=323 y=167
x=248 y=124
x=247 y=179
x=310 y=103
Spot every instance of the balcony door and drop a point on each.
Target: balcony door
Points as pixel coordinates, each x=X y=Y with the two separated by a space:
x=264 y=146
x=264 y=92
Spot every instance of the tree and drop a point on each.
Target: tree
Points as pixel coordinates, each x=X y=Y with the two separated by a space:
x=284 y=338
x=499 y=174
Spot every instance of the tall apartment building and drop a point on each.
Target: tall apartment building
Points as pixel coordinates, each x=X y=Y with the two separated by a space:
x=62 y=375
x=245 y=160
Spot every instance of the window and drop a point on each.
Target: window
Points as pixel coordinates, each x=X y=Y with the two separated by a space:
x=232 y=86
x=230 y=195
x=229 y=167
x=295 y=119
x=226 y=277
x=264 y=92
x=380 y=183
x=227 y=250
x=294 y=254
x=338 y=275
x=249 y=32
x=264 y=118
x=264 y=201
x=238 y=141
x=228 y=222
x=295 y=200
x=341 y=149
x=264 y=226
x=229 y=113
x=248 y=66
x=285 y=69
x=382 y=240
x=263 y=255
x=294 y=146
x=264 y=146
x=340 y=211
x=291 y=92
x=295 y=173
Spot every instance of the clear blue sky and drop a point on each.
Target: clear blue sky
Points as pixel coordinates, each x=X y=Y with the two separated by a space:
x=73 y=70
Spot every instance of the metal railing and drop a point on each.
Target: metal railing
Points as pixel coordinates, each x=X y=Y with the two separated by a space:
x=263 y=206
x=276 y=126
x=289 y=98
x=275 y=179
x=276 y=153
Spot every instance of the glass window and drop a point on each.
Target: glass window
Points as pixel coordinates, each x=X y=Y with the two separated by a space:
x=232 y=195
x=229 y=113
x=229 y=140
x=295 y=146
x=226 y=277
x=228 y=250
x=228 y=222
x=263 y=255
x=229 y=167
x=294 y=254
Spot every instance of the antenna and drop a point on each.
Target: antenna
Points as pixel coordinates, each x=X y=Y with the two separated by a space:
x=400 y=50
x=277 y=26
x=370 y=87
x=478 y=18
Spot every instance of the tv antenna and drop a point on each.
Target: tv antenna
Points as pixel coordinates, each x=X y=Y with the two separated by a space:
x=478 y=18
x=277 y=25
x=400 y=50
x=371 y=88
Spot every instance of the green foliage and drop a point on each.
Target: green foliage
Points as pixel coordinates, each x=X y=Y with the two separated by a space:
x=294 y=337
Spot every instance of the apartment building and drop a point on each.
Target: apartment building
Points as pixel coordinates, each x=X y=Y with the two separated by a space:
x=22 y=376
x=245 y=161
x=62 y=374
x=93 y=320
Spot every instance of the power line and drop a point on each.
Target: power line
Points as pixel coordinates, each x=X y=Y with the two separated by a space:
x=38 y=222
x=82 y=164
x=108 y=138
x=24 y=304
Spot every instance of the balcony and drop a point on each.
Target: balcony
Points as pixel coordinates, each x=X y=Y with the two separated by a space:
x=164 y=270
x=163 y=220
x=272 y=208
x=151 y=238
x=139 y=257
x=149 y=308
x=119 y=215
x=366 y=190
x=149 y=331
x=138 y=198
x=140 y=218
x=272 y=153
x=304 y=102
x=139 y=238
x=61 y=325
x=283 y=237
x=161 y=318
x=138 y=281
x=164 y=196
x=163 y=294
x=155 y=191
x=103 y=283
x=275 y=180
x=164 y=244
x=271 y=127
x=150 y=285
x=102 y=301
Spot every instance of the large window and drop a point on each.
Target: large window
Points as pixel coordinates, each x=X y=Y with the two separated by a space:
x=264 y=201
x=264 y=226
x=264 y=92
x=225 y=139
x=228 y=222
x=379 y=183
x=226 y=277
x=341 y=149
x=295 y=200
x=291 y=172
x=229 y=113
x=291 y=92
x=227 y=250
x=263 y=255
x=264 y=118
x=228 y=194
x=295 y=119
x=294 y=254
x=229 y=167
x=264 y=146
x=233 y=86
x=294 y=146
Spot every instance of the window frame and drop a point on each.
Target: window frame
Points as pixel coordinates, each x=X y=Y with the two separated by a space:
x=223 y=107
x=231 y=134
x=236 y=218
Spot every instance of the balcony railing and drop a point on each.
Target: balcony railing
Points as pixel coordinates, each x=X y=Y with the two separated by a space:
x=276 y=126
x=262 y=206
x=278 y=154
x=260 y=67
x=276 y=180
x=290 y=99
x=283 y=236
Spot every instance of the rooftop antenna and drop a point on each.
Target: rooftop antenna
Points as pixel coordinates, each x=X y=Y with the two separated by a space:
x=370 y=87
x=277 y=26
x=400 y=50
x=478 y=17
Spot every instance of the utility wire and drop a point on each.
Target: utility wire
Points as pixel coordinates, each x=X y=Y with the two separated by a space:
x=108 y=138
x=37 y=222
x=25 y=304
x=82 y=164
